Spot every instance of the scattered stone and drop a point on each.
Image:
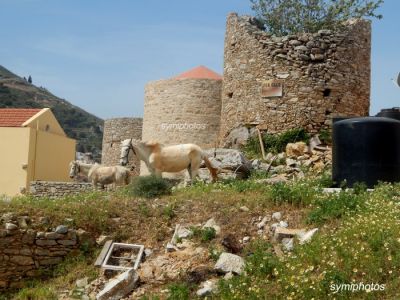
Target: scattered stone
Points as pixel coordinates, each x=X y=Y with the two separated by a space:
x=277 y=216
x=208 y=287
x=62 y=229
x=102 y=239
x=263 y=223
x=81 y=283
x=11 y=226
x=229 y=262
x=244 y=208
x=296 y=149
x=120 y=286
x=246 y=239
x=212 y=224
x=148 y=252
x=8 y=218
x=283 y=224
x=228 y=275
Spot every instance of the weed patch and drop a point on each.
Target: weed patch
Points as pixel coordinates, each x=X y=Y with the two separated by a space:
x=150 y=186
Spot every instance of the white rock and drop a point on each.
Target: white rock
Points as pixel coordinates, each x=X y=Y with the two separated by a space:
x=228 y=262
x=228 y=276
x=81 y=283
x=283 y=224
x=212 y=224
x=11 y=226
x=244 y=208
x=246 y=239
x=277 y=216
x=262 y=223
x=306 y=237
x=207 y=289
x=287 y=244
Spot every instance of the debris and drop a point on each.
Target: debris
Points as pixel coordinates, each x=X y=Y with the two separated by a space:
x=296 y=149
x=314 y=142
x=228 y=262
x=120 y=286
x=11 y=226
x=101 y=240
x=100 y=259
x=207 y=289
x=121 y=256
x=263 y=223
x=306 y=237
x=287 y=244
x=81 y=283
x=246 y=239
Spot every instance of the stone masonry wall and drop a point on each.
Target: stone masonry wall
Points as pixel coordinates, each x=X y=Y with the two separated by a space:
x=325 y=74
x=115 y=131
x=180 y=111
x=53 y=189
x=24 y=252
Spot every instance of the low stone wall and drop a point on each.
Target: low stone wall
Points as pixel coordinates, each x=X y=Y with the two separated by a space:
x=55 y=189
x=24 y=252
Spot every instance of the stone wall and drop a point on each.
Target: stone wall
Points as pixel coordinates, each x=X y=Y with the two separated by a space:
x=325 y=74
x=180 y=111
x=53 y=189
x=25 y=252
x=115 y=131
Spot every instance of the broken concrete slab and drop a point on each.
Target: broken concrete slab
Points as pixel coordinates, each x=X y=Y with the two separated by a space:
x=306 y=237
x=100 y=259
x=120 y=286
x=228 y=262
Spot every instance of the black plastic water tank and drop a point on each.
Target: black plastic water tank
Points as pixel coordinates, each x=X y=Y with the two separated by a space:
x=366 y=150
x=393 y=113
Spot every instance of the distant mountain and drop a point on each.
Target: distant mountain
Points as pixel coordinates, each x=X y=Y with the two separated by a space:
x=87 y=129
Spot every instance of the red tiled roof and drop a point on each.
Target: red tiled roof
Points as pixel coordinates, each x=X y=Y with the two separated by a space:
x=199 y=72
x=15 y=117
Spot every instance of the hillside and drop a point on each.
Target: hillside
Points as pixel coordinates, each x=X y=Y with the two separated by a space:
x=16 y=92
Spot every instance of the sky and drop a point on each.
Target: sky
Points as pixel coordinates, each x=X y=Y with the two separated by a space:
x=99 y=54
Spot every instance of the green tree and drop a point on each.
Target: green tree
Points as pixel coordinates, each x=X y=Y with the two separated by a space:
x=30 y=79
x=282 y=17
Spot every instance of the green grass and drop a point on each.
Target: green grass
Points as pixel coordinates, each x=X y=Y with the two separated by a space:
x=358 y=238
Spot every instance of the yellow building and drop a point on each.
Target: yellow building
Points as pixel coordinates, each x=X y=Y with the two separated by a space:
x=33 y=146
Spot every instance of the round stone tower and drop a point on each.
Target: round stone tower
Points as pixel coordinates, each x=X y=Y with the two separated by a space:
x=115 y=131
x=184 y=109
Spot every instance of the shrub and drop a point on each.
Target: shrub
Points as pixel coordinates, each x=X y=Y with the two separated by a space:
x=178 y=291
x=150 y=186
x=299 y=193
x=205 y=234
x=275 y=142
x=337 y=205
x=292 y=16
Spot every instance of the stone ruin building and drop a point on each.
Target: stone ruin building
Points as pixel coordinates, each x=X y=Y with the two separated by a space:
x=270 y=83
x=302 y=80
x=115 y=131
